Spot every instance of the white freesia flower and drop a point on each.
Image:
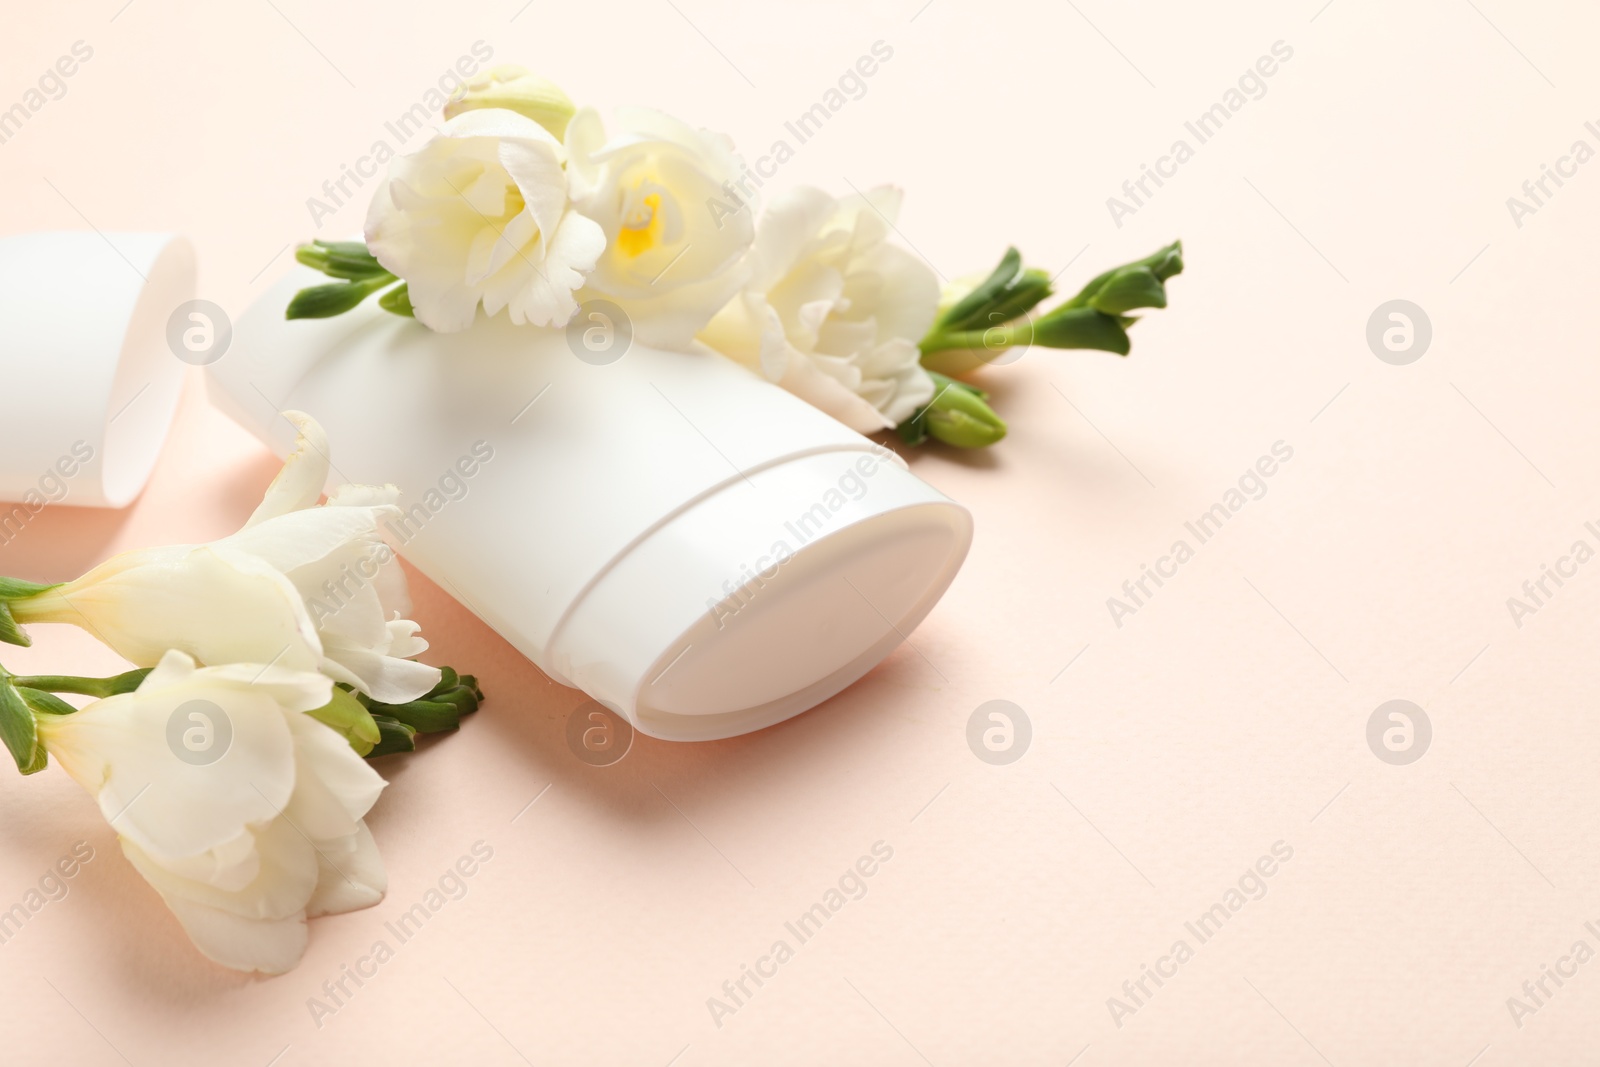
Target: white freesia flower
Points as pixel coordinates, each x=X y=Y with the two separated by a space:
x=671 y=260
x=303 y=587
x=242 y=811
x=833 y=311
x=480 y=214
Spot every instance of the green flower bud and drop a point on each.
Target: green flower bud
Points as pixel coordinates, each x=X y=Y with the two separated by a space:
x=346 y=714
x=516 y=89
x=361 y=274
x=1009 y=291
x=978 y=322
x=1030 y=289
x=326 y=301
x=398 y=301
x=1083 y=327
x=977 y=318
x=1132 y=285
x=393 y=736
x=436 y=711
x=424 y=716
x=349 y=260
x=957 y=415
x=955 y=298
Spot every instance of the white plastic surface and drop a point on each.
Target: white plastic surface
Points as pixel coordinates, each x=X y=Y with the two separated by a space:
x=83 y=320
x=617 y=523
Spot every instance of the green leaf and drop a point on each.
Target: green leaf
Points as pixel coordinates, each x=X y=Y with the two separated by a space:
x=351 y=718
x=397 y=301
x=11 y=632
x=20 y=731
x=394 y=736
x=326 y=301
x=971 y=306
x=43 y=703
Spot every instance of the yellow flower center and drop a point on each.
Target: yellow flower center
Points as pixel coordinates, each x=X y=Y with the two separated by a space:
x=641 y=225
x=515 y=203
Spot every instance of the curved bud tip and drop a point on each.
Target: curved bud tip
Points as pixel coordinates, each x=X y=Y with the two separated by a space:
x=957 y=415
x=518 y=89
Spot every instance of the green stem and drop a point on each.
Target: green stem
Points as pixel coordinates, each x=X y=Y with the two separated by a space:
x=995 y=337
x=126 y=682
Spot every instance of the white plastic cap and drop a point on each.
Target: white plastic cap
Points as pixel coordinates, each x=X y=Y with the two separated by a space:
x=766 y=598
x=84 y=318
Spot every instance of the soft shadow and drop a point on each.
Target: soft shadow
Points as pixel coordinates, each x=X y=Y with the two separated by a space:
x=934 y=452
x=143 y=940
x=529 y=717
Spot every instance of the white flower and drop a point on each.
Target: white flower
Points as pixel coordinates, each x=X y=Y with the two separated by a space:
x=242 y=811
x=480 y=214
x=833 y=312
x=660 y=190
x=303 y=587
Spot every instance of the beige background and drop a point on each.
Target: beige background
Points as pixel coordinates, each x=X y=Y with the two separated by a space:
x=1167 y=755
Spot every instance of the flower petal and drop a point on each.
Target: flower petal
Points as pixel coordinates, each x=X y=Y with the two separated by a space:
x=849 y=307
x=286 y=877
x=141 y=755
x=299 y=484
x=807 y=379
x=260 y=927
x=547 y=298
x=215 y=603
x=471 y=218
x=334 y=787
x=384 y=678
x=291 y=541
x=350 y=875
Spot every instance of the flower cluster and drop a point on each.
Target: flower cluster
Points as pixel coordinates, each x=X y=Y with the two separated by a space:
x=230 y=764
x=525 y=203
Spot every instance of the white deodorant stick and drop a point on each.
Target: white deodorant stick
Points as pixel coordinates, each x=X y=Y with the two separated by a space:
x=689 y=544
